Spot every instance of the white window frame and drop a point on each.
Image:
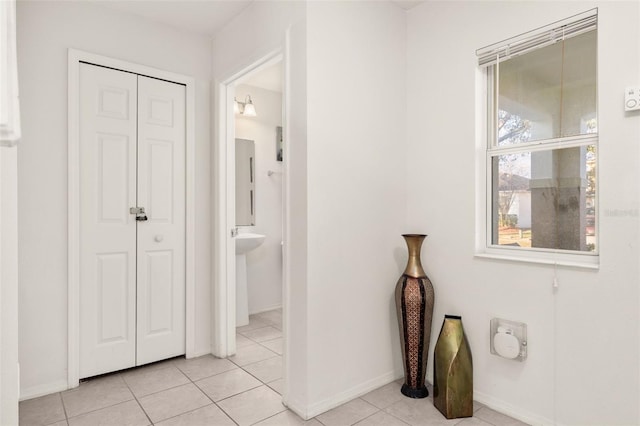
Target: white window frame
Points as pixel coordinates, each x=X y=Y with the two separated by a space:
x=487 y=149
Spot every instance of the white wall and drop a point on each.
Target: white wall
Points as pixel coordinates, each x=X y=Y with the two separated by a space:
x=9 y=369
x=261 y=29
x=583 y=351
x=357 y=195
x=45 y=31
x=345 y=171
x=264 y=264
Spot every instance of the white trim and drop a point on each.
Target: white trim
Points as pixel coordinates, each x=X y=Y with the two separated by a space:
x=75 y=57
x=190 y=219
x=270 y=308
x=559 y=259
x=286 y=216
x=224 y=289
x=223 y=339
x=218 y=262
x=511 y=410
x=10 y=132
x=348 y=395
x=545 y=145
x=42 y=390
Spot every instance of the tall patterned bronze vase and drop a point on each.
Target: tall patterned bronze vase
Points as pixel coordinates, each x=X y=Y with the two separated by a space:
x=414 y=305
x=453 y=371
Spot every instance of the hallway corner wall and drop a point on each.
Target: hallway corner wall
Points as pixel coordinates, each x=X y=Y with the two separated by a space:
x=46 y=30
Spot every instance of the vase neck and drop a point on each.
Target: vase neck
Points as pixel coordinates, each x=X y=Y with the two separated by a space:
x=414 y=266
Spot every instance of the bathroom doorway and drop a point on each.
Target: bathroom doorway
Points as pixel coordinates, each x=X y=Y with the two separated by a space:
x=258 y=162
x=251 y=117
x=258 y=172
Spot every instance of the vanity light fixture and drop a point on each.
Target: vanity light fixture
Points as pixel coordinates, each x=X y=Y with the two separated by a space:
x=245 y=108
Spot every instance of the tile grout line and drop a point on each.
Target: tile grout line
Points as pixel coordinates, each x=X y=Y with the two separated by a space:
x=137 y=401
x=371 y=415
x=64 y=409
x=205 y=394
x=230 y=396
x=384 y=410
x=97 y=409
x=171 y=363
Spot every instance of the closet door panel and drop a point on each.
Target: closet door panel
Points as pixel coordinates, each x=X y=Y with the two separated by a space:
x=161 y=238
x=108 y=133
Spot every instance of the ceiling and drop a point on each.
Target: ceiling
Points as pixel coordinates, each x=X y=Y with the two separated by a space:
x=204 y=17
x=407 y=4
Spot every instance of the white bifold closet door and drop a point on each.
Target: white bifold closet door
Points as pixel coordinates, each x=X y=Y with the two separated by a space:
x=132 y=271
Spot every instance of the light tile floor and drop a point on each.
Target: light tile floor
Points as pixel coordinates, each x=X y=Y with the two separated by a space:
x=242 y=390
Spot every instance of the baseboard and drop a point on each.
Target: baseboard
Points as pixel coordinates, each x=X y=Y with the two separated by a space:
x=42 y=390
x=198 y=354
x=346 y=396
x=511 y=410
x=297 y=407
x=271 y=308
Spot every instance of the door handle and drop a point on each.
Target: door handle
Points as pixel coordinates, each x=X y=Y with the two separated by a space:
x=139 y=212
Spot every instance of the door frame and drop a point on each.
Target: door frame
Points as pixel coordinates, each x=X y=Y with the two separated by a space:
x=74 y=59
x=223 y=338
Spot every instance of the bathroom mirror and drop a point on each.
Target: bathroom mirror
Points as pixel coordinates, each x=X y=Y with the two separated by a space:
x=245 y=183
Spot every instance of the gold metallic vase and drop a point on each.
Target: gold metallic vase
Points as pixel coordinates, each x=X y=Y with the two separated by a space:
x=453 y=371
x=414 y=305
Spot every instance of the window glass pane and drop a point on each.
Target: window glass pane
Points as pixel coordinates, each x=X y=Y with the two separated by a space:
x=579 y=85
x=549 y=92
x=545 y=199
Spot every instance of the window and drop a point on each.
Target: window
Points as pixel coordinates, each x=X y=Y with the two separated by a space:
x=541 y=151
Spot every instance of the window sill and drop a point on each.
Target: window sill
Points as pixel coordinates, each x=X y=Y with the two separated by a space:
x=583 y=261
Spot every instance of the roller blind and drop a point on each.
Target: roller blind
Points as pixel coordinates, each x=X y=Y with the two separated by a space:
x=538 y=38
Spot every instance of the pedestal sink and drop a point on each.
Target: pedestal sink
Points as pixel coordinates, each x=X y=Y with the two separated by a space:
x=247 y=242
x=244 y=243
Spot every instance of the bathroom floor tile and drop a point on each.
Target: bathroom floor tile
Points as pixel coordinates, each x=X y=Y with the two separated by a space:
x=95 y=394
x=41 y=411
x=347 y=414
x=227 y=384
x=126 y=413
x=242 y=341
x=277 y=385
x=208 y=415
x=273 y=317
x=204 y=366
x=266 y=371
x=263 y=334
x=172 y=402
x=275 y=345
x=253 y=324
x=253 y=406
x=147 y=381
x=250 y=354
